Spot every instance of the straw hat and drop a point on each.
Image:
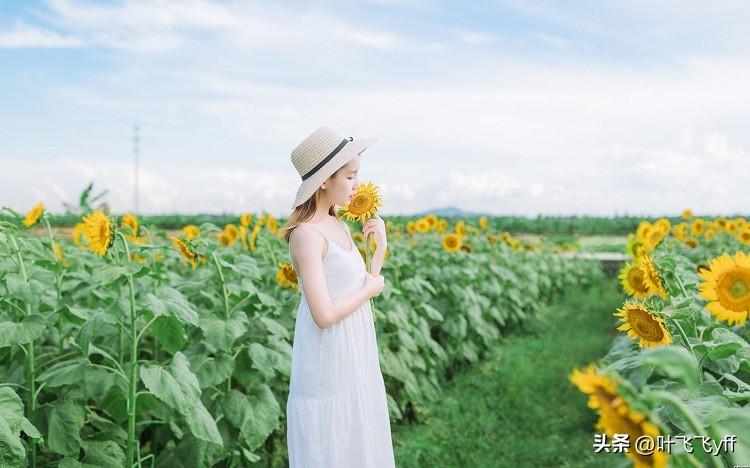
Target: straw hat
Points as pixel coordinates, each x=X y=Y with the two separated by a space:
x=321 y=154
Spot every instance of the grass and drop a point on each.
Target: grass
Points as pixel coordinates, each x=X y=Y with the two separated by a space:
x=517 y=407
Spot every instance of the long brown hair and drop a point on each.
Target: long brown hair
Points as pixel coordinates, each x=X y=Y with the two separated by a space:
x=303 y=213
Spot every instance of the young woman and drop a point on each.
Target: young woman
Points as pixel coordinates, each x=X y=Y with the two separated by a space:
x=337 y=412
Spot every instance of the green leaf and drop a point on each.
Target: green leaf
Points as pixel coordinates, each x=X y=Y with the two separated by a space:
x=65 y=423
x=70 y=463
x=266 y=360
x=274 y=327
x=103 y=453
x=431 y=312
x=64 y=373
x=18 y=288
x=12 y=452
x=178 y=387
x=675 y=362
x=108 y=274
x=735 y=423
x=212 y=370
x=727 y=343
x=170 y=333
x=169 y=301
x=221 y=334
x=15 y=333
x=255 y=415
x=97 y=324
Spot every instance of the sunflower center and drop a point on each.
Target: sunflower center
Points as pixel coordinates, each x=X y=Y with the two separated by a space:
x=734 y=290
x=635 y=277
x=646 y=326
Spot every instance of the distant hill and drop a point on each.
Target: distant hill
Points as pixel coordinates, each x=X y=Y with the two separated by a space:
x=450 y=211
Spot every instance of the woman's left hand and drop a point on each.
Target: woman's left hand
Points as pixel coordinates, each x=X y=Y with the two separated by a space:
x=377 y=226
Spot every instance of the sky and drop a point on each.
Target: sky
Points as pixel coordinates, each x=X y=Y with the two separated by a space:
x=503 y=107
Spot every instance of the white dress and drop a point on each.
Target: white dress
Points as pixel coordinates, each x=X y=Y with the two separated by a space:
x=337 y=410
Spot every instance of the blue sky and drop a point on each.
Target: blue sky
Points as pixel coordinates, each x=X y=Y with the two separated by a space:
x=506 y=107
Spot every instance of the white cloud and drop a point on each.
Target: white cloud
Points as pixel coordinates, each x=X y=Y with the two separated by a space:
x=477 y=38
x=22 y=35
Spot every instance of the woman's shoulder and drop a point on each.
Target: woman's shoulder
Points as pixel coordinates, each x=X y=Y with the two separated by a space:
x=305 y=236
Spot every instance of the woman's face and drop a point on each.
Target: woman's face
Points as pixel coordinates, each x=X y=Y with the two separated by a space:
x=341 y=186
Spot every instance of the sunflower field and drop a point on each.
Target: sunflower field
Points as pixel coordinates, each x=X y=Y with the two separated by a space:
x=682 y=366
x=127 y=345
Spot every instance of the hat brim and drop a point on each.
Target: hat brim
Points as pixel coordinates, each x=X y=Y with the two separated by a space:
x=309 y=186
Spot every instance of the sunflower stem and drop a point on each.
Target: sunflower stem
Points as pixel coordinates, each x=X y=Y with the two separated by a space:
x=29 y=352
x=686 y=342
x=689 y=416
x=51 y=238
x=133 y=382
x=226 y=302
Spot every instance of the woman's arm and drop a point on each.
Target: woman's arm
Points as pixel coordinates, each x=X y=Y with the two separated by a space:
x=376 y=226
x=377 y=260
x=306 y=248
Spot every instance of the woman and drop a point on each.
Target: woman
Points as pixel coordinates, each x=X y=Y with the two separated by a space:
x=337 y=411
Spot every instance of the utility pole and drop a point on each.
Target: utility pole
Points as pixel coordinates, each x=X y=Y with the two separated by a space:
x=135 y=156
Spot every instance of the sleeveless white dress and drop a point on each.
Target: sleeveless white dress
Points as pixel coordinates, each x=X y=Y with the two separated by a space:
x=337 y=410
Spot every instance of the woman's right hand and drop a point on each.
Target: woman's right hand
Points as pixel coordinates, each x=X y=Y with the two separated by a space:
x=374 y=284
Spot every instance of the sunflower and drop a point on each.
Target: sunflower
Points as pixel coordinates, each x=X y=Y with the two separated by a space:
x=680 y=231
x=76 y=234
x=185 y=250
x=442 y=226
x=243 y=237
x=687 y=214
x=432 y=220
x=643 y=226
x=641 y=323
x=253 y=236
x=631 y=278
x=452 y=242
x=744 y=236
x=720 y=222
x=466 y=248
x=691 y=242
x=663 y=224
x=491 y=239
x=726 y=286
x=422 y=226
x=709 y=233
x=483 y=223
x=654 y=236
x=364 y=204
x=358 y=237
x=32 y=217
x=137 y=258
x=99 y=231
x=232 y=232
x=191 y=231
x=697 y=227
x=286 y=277
x=271 y=224
x=461 y=228
x=411 y=227
x=261 y=220
x=651 y=277
x=129 y=220
x=246 y=219
x=616 y=416
x=225 y=238
x=731 y=227
x=57 y=248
